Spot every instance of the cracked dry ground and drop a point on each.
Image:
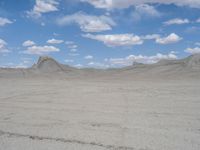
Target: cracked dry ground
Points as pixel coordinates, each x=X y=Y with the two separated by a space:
x=40 y=114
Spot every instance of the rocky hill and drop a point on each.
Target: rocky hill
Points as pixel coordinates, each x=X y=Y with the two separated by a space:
x=47 y=66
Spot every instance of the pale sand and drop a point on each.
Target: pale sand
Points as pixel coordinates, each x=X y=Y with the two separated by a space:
x=143 y=107
x=99 y=114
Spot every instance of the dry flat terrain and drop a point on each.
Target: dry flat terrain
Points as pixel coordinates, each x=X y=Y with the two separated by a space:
x=102 y=113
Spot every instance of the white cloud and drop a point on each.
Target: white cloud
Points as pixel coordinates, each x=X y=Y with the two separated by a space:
x=151 y=37
x=88 y=57
x=100 y=3
x=2 y=43
x=172 y=38
x=129 y=60
x=69 y=42
x=25 y=63
x=114 y=40
x=43 y=6
x=177 y=21
x=110 y=4
x=146 y=10
x=69 y=60
x=28 y=43
x=4 y=21
x=12 y=65
x=88 y=23
x=3 y=48
x=78 y=65
x=55 y=41
x=20 y=65
x=74 y=46
x=195 y=50
x=73 y=50
x=97 y=65
x=40 y=50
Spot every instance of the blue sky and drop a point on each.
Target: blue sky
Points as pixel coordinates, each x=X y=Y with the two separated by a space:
x=98 y=33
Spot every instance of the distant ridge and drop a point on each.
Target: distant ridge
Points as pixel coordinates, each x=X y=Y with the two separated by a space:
x=188 y=67
x=190 y=61
x=47 y=64
x=137 y=64
x=193 y=61
x=48 y=67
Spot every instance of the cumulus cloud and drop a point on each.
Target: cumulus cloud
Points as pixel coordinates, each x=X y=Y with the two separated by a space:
x=172 y=38
x=146 y=10
x=97 y=65
x=114 y=40
x=195 y=50
x=110 y=4
x=69 y=42
x=129 y=60
x=150 y=36
x=43 y=6
x=72 y=46
x=88 y=57
x=55 y=41
x=177 y=21
x=4 y=21
x=3 y=48
x=40 y=50
x=28 y=43
x=88 y=23
x=2 y=43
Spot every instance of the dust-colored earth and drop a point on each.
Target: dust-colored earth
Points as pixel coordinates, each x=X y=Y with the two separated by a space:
x=127 y=109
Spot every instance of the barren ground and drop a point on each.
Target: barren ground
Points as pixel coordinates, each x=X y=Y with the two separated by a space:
x=82 y=114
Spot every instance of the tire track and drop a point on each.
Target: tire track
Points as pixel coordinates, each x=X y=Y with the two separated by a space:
x=63 y=140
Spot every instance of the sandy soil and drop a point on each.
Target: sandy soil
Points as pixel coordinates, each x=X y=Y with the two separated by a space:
x=42 y=114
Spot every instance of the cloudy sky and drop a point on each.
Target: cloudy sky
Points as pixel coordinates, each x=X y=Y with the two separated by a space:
x=98 y=33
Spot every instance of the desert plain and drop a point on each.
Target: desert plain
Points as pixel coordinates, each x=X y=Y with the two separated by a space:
x=54 y=107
